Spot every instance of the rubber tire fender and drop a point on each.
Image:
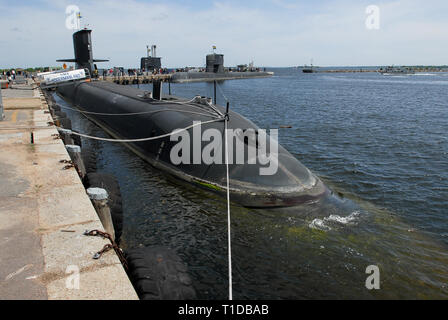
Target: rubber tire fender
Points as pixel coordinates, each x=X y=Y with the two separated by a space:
x=158 y=273
x=88 y=156
x=65 y=123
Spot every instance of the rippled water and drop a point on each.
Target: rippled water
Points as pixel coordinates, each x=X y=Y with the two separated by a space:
x=379 y=142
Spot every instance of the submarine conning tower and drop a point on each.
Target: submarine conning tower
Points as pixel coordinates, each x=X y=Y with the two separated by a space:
x=82 y=45
x=215 y=63
x=150 y=62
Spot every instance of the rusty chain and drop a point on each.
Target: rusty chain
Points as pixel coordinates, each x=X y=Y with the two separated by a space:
x=107 y=247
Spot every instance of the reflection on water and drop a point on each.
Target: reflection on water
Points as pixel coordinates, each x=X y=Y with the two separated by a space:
x=386 y=170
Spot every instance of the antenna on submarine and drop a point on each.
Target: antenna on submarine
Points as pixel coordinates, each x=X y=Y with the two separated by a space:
x=78 y=20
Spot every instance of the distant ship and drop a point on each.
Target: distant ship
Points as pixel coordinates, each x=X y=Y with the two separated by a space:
x=396 y=70
x=307 y=69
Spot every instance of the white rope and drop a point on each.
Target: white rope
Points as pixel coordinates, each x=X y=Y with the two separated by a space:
x=137 y=113
x=156 y=102
x=215 y=109
x=229 y=244
x=180 y=102
x=140 y=139
x=222 y=92
x=189 y=103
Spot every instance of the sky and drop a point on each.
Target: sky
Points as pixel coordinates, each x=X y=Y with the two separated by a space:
x=272 y=33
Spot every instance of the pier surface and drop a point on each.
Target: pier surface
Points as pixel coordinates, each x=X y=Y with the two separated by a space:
x=44 y=212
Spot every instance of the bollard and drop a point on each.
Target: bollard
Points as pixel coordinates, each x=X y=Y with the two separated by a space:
x=99 y=197
x=75 y=154
x=157 y=89
x=66 y=137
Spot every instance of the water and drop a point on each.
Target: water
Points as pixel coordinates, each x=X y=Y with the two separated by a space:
x=379 y=142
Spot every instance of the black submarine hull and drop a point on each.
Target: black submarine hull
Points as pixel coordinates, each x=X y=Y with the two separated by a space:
x=291 y=185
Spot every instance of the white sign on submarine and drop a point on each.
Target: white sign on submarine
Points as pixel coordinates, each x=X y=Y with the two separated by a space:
x=57 y=77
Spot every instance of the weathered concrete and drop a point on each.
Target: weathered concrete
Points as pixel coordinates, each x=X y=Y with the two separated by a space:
x=44 y=211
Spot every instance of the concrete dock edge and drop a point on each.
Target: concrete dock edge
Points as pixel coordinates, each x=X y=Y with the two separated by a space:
x=45 y=211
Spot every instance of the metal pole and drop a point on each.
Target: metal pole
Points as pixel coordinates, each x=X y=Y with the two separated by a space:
x=214 y=90
x=169 y=86
x=2 y=115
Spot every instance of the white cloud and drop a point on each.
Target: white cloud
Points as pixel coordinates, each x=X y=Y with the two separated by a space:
x=333 y=33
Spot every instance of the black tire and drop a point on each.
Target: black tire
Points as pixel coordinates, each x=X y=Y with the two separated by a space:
x=110 y=183
x=65 y=123
x=60 y=114
x=77 y=140
x=89 y=159
x=158 y=273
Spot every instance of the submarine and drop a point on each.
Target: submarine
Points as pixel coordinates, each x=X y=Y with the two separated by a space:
x=146 y=122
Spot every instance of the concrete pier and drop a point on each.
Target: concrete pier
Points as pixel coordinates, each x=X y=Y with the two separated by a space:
x=44 y=211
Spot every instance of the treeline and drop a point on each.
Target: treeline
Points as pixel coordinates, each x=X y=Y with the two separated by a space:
x=31 y=70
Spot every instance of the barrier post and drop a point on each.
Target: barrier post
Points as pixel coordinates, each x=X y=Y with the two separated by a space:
x=2 y=115
x=99 y=198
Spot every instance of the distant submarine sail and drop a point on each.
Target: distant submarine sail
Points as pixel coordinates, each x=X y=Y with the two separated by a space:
x=291 y=185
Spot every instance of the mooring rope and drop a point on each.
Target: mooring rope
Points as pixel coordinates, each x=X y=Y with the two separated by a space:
x=140 y=139
x=229 y=240
x=222 y=92
x=137 y=113
x=189 y=103
x=215 y=109
x=229 y=243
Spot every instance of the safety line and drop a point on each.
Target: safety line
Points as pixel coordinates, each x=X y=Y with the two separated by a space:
x=136 y=113
x=140 y=139
x=229 y=244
